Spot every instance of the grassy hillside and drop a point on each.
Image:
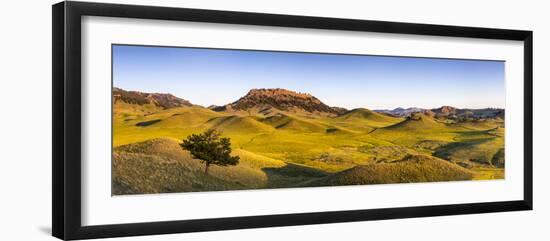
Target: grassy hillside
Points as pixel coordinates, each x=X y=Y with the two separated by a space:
x=368 y=117
x=481 y=151
x=161 y=166
x=291 y=123
x=298 y=148
x=412 y=168
x=238 y=124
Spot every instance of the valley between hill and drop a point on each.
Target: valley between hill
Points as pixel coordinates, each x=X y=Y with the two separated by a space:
x=288 y=139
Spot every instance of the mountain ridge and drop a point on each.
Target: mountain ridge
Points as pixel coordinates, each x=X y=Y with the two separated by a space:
x=163 y=100
x=280 y=99
x=266 y=100
x=448 y=112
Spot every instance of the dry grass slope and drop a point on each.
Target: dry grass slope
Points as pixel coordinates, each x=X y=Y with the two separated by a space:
x=412 y=168
x=161 y=166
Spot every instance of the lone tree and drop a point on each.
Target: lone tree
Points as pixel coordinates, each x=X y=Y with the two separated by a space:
x=210 y=149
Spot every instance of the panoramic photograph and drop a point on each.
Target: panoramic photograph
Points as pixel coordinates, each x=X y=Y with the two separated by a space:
x=202 y=119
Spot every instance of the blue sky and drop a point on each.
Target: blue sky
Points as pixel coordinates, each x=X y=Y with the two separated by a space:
x=218 y=77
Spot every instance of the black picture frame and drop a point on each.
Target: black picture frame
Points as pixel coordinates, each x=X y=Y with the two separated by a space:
x=66 y=75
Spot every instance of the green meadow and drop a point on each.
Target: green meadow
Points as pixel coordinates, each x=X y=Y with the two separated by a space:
x=283 y=149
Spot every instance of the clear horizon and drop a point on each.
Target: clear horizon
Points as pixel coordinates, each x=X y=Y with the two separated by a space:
x=220 y=76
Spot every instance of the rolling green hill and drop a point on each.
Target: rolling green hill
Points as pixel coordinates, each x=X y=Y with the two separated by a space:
x=239 y=124
x=297 y=142
x=369 y=117
x=417 y=122
x=291 y=123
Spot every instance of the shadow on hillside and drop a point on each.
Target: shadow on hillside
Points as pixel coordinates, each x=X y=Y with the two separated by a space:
x=446 y=151
x=290 y=175
x=148 y=123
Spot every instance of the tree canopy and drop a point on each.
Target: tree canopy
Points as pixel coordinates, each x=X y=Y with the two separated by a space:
x=210 y=148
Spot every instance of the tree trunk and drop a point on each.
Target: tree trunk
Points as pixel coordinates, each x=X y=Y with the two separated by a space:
x=206 y=169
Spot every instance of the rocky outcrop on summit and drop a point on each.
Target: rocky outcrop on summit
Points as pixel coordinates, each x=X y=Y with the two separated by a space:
x=281 y=99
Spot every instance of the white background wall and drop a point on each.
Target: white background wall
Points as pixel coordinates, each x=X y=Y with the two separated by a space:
x=25 y=119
